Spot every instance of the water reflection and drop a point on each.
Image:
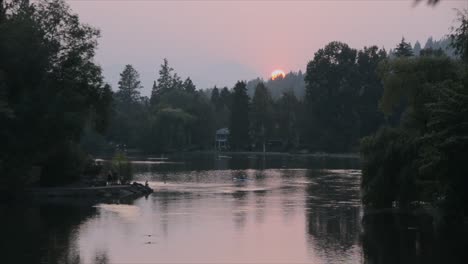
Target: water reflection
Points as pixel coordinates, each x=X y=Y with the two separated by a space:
x=41 y=233
x=402 y=238
x=243 y=209
x=233 y=161
x=333 y=215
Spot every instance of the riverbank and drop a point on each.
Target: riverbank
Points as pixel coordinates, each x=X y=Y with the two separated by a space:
x=299 y=154
x=167 y=156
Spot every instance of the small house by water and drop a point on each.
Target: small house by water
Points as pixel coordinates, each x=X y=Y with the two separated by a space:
x=221 y=139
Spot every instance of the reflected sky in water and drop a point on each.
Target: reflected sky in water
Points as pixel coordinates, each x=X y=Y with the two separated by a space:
x=268 y=216
x=243 y=210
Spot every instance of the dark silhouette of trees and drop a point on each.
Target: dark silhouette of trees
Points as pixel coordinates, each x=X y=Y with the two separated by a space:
x=331 y=89
x=459 y=37
x=221 y=102
x=129 y=85
x=262 y=116
x=129 y=111
x=165 y=81
x=370 y=89
x=288 y=114
x=403 y=49
x=421 y=158
x=189 y=86
x=50 y=90
x=226 y=97
x=239 y=137
x=215 y=98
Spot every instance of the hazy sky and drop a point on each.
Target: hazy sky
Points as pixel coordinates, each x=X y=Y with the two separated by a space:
x=219 y=42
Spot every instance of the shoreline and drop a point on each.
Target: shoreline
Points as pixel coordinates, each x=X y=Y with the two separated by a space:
x=350 y=155
x=315 y=154
x=133 y=190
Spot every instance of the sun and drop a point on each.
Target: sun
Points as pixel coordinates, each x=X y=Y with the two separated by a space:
x=277 y=73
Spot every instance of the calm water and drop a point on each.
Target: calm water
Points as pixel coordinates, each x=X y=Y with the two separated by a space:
x=211 y=209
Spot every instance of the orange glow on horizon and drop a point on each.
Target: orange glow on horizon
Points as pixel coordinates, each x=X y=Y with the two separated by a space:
x=277 y=73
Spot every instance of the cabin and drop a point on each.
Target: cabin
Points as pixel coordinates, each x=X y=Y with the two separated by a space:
x=221 y=139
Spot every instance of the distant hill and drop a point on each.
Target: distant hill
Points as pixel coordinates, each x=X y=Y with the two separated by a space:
x=293 y=81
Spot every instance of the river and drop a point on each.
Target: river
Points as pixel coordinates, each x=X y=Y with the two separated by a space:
x=224 y=209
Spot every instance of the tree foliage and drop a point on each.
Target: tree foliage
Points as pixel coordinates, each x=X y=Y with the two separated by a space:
x=341 y=92
x=262 y=115
x=129 y=85
x=423 y=157
x=403 y=49
x=289 y=115
x=459 y=36
x=51 y=89
x=239 y=137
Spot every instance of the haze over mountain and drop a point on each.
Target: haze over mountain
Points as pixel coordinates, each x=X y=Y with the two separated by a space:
x=217 y=43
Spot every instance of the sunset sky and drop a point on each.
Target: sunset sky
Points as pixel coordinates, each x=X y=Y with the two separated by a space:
x=219 y=42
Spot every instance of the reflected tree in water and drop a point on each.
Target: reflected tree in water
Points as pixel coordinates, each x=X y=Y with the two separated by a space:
x=332 y=225
x=401 y=238
x=44 y=234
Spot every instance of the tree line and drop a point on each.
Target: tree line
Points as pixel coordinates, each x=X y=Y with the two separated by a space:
x=339 y=107
x=421 y=156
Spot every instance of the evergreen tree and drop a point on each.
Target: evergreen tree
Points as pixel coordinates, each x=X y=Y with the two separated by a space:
x=129 y=85
x=432 y=52
x=403 y=49
x=128 y=119
x=288 y=112
x=239 y=121
x=177 y=82
x=262 y=115
x=164 y=83
x=220 y=101
x=215 y=98
x=189 y=86
x=225 y=97
x=429 y=43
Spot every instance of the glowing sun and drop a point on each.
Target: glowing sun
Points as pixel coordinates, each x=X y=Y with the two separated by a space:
x=277 y=73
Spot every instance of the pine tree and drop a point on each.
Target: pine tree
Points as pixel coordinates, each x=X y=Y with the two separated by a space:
x=164 y=83
x=177 y=83
x=262 y=114
x=239 y=121
x=189 y=86
x=429 y=43
x=403 y=49
x=225 y=97
x=215 y=99
x=288 y=108
x=129 y=85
